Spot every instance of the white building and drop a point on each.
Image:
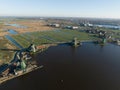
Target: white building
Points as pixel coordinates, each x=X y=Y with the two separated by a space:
x=74 y=27
x=56 y=25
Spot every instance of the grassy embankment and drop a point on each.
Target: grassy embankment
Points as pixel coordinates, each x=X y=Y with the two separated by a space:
x=5 y=55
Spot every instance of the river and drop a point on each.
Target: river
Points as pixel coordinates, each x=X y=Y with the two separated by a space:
x=108 y=26
x=88 y=67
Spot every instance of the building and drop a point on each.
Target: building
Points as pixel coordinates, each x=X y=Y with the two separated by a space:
x=118 y=42
x=54 y=25
x=74 y=27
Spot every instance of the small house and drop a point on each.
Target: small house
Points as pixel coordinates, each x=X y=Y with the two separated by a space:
x=74 y=27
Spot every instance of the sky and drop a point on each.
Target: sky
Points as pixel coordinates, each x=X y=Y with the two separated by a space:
x=61 y=8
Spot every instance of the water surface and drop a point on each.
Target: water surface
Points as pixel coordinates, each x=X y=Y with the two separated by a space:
x=89 y=67
x=108 y=26
x=17 y=25
x=12 y=31
x=13 y=41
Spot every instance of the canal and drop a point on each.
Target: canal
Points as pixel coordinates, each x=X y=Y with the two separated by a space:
x=12 y=31
x=13 y=41
x=88 y=67
x=16 y=25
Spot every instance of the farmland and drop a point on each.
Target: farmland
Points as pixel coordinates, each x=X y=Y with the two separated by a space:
x=39 y=38
x=38 y=31
x=23 y=26
x=5 y=54
x=48 y=37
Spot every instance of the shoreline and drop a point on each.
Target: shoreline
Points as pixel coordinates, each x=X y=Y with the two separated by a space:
x=29 y=68
x=20 y=73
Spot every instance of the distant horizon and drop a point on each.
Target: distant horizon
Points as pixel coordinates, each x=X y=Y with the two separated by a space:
x=61 y=8
x=62 y=17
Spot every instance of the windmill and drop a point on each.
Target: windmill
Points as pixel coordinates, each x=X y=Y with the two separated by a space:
x=19 y=60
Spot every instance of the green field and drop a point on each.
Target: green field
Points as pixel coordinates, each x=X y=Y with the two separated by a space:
x=48 y=37
x=39 y=38
x=5 y=55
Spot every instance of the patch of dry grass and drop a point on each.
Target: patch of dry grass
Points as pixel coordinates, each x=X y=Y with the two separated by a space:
x=32 y=26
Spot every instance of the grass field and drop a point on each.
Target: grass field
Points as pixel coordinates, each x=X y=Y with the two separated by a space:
x=5 y=55
x=48 y=37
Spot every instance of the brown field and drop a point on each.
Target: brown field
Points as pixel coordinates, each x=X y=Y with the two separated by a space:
x=32 y=26
x=3 y=33
x=5 y=54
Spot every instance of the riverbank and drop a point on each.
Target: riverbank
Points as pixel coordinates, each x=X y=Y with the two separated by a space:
x=68 y=68
x=30 y=67
x=19 y=73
